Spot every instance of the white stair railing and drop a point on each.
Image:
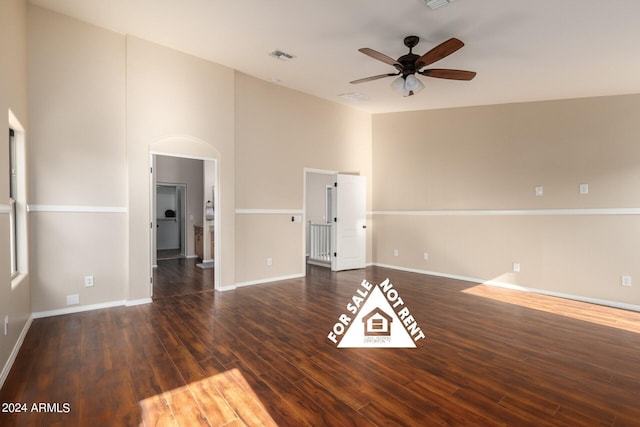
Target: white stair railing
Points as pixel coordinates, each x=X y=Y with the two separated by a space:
x=320 y=244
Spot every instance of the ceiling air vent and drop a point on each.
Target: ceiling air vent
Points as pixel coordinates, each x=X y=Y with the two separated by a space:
x=353 y=97
x=282 y=56
x=434 y=4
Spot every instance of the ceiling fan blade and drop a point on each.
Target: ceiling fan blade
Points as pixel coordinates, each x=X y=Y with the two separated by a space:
x=381 y=57
x=368 y=79
x=443 y=50
x=444 y=73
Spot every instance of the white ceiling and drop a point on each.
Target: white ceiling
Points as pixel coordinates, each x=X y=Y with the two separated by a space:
x=522 y=50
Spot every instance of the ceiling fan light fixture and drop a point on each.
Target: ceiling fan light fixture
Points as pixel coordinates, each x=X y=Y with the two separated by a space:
x=398 y=84
x=412 y=83
x=407 y=86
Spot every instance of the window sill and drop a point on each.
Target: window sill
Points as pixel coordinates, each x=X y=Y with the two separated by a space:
x=17 y=280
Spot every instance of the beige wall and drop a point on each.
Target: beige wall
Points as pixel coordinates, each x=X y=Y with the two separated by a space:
x=189 y=102
x=76 y=86
x=279 y=132
x=78 y=159
x=492 y=158
x=101 y=101
x=14 y=303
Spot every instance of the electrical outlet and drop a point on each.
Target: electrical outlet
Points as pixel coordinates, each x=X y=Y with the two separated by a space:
x=88 y=281
x=539 y=190
x=269 y=261
x=73 y=299
x=6 y=325
x=584 y=188
x=425 y=256
x=516 y=267
x=395 y=252
x=625 y=280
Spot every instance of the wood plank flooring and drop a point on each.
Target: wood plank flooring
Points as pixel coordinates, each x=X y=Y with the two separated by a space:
x=260 y=356
x=180 y=276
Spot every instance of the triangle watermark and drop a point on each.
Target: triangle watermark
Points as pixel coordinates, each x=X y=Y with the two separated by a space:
x=376 y=317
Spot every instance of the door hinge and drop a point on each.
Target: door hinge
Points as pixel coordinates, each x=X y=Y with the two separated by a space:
x=151 y=170
x=150 y=279
x=335 y=184
x=335 y=254
x=335 y=219
x=151 y=225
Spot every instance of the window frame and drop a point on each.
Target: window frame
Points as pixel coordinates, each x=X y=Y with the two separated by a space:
x=17 y=206
x=13 y=199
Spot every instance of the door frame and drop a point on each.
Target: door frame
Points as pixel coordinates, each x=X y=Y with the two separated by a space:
x=305 y=232
x=211 y=166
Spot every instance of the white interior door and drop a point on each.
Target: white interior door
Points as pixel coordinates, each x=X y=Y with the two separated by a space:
x=349 y=234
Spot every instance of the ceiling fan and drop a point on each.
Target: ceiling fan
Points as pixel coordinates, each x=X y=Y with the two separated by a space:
x=410 y=64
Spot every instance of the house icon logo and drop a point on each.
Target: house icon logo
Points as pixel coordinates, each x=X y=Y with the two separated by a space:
x=376 y=317
x=377 y=323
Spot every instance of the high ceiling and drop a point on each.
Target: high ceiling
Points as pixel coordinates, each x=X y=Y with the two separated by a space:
x=521 y=50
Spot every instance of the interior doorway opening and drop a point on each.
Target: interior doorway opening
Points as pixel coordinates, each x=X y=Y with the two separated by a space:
x=171 y=221
x=318 y=220
x=335 y=220
x=184 y=201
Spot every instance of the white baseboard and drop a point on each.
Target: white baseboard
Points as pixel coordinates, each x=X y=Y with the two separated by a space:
x=131 y=303
x=269 y=280
x=607 y=303
x=14 y=353
x=77 y=309
x=91 y=307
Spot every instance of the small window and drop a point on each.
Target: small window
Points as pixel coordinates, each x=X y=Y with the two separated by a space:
x=17 y=202
x=13 y=197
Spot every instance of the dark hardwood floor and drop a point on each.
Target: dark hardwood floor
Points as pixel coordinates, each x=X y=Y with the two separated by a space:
x=260 y=356
x=180 y=276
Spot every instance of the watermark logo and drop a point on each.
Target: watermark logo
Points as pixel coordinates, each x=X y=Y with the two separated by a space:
x=376 y=316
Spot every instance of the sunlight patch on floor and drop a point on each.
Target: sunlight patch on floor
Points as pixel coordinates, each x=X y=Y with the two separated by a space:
x=593 y=313
x=225 y=399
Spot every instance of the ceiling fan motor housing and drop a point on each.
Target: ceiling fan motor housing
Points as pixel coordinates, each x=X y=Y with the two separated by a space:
x=408 y=61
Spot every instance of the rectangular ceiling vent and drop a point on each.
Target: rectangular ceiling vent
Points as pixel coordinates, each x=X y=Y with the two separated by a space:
x=434 y=4
x=282 y=56
x=353 y=97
